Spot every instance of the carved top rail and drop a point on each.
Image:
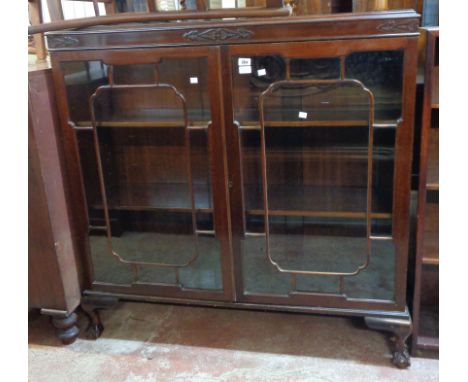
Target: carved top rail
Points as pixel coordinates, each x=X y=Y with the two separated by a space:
x=235 y=31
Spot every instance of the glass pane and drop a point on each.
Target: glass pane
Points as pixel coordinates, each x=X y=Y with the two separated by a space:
x=152 y=164
x=258 y=274
x=377 y=281
x=253 y=75
x=382 y=73
x=316 y=146
x=316 y=68
x=316 y=142
x=190 y=76
x=81 y=80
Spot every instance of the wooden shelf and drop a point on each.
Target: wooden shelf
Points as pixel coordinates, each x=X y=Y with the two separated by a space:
x=247 y=125
x=431 y=248
x=170 y=197
x=430 y=261
x=150 y=118
x=311 y=201
x=431 y=235
x=285 y=200
x=317 y=116
x=428 y=328
x=135 y=123
x=255 y=125
x=248 y=119
x=427 y=343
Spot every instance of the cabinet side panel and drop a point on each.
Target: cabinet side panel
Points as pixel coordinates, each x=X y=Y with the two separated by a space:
x=44 y=283
x=44 y=122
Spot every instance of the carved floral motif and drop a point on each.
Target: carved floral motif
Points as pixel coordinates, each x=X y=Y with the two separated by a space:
x=219 y=34
x=61 y=41
x=399 y=26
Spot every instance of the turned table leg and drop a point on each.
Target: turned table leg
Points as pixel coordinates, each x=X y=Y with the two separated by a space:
x=401 y=328
x=67 y=331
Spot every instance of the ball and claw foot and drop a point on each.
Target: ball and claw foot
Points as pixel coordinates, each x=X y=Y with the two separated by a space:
x=91 y=306
x=95 y=327
x=401 y=358
x=401 y=329
x=67 y=331
x=95 y=330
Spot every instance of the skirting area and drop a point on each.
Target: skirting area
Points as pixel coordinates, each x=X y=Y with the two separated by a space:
x=153 y=342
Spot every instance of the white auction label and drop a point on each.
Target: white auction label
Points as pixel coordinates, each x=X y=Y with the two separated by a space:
x=194 y=80
x=261 y=72
x=302 y=115
x=244 y=61
x=245 y=69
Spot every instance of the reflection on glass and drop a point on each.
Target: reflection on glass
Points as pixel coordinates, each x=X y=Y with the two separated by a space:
x=155 y=170
x=265 y=70
x=317 y=68
x=81 y=80
x=382 y=73
x=316 y=157
x=316 y=152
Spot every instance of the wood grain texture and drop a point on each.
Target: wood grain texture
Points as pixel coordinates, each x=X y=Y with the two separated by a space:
x=144 y=157
x=281 y=29
x=35 y=17
x=53 y=271
x=427 y=213
x=135 y=17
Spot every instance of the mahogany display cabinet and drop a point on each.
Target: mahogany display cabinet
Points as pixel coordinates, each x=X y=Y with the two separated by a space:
x=251 y=163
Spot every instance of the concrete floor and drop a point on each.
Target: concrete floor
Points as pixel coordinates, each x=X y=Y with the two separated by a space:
x=153 y=342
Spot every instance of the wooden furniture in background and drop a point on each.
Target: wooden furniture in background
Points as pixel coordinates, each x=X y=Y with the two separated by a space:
x=53 y=271
x=56 y=9
x=35 y=17
x=155 y=17
x=382 y=5
x=426 y=288
x=430 y=13
x=312 y=7
x=254 y=163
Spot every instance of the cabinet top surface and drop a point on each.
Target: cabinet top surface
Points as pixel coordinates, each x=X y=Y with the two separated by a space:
x=239 y=31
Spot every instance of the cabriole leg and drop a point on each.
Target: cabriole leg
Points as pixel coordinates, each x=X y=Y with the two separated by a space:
x=91 y=306
x=401 y=328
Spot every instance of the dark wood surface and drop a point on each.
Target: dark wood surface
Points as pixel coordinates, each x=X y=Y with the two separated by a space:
x=240 y=31
x=319 y=49
x=124 y=18
x=426 y=294
x=228 y=151
x=53 y=271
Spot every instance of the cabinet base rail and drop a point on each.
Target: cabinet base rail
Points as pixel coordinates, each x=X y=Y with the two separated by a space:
x=396 y=322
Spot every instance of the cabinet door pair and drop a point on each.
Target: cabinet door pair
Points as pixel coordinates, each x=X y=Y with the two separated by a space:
x=267 y=180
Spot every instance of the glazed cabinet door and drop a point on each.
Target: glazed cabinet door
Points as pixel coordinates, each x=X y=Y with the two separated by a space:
x=317 y=125
x=147 y=129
